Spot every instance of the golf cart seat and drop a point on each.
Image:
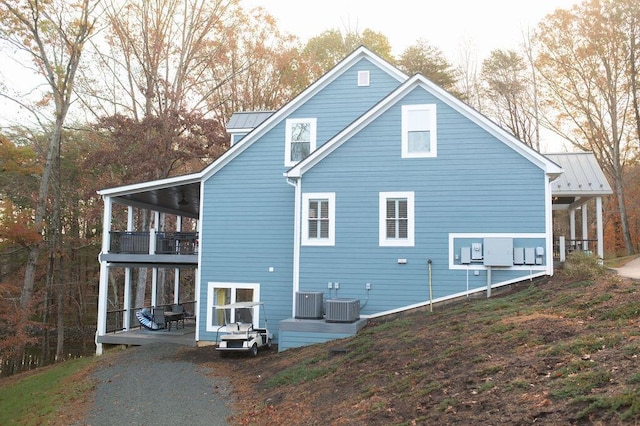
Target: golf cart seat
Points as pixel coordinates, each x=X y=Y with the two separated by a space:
x=241 y=327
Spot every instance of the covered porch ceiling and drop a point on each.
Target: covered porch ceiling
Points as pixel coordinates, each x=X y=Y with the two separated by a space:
x=179 y=196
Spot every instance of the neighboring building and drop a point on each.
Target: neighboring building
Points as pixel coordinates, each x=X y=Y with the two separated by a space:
x=370 y=193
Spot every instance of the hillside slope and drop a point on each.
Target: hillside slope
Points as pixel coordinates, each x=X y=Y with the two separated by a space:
x=560 y=351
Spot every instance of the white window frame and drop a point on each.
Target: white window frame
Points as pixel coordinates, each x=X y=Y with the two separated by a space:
x=364 y=78
x=331 y=239
x=397 y=242
x=312 y=137
x=212 y=286
x=432 y=127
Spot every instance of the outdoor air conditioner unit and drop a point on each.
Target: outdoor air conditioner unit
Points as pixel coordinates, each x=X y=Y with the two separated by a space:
x=343 y=310
x=309 y=305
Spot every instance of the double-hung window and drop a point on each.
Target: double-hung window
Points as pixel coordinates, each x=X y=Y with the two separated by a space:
x=219 y=294
x=318 y=219
x=396 y=228
x=419 y=131
x=300 y=139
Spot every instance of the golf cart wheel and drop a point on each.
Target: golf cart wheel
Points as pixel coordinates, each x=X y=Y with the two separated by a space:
x=254 y=350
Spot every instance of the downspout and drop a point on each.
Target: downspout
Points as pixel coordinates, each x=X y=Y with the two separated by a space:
x=296 y=241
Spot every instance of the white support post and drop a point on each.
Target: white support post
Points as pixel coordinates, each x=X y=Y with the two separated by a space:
x=101 y=326
x=599 y=229
x=572 y=227
x=154 y=286
x=562 y=248
x=176 y=279
x=488 y=282
x=128 y=274
x=585 y=228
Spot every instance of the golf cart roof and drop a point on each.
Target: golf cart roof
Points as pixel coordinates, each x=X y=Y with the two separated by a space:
x=239 y=305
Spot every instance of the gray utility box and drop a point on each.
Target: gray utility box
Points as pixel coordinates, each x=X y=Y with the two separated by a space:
x=309 y=305
x=498 y=251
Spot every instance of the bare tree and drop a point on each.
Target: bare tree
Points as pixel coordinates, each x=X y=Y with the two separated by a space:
x=53 y=35
x=584 y=64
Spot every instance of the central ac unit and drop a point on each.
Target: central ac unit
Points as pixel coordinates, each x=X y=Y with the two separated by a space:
x=309 y=305
x=343 y=310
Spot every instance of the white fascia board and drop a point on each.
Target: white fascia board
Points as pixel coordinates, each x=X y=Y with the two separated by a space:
x=154 y=184
x=551 y=168
x=364 y=120
x=308 y=93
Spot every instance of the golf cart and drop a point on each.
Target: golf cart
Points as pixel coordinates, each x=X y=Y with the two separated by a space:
x=241 y=335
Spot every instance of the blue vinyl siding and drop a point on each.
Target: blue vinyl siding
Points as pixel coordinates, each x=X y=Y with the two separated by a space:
x=248 y=207
x=476 y=184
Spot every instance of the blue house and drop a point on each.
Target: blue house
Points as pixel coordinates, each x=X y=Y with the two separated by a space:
x=370 y=193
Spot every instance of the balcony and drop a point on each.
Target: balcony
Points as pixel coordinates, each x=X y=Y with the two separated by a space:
x=152 y=247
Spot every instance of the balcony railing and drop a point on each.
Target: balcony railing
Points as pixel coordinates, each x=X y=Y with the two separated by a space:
x=177 y=243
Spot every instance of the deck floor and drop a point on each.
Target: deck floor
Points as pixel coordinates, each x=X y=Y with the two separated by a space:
x=142 y=336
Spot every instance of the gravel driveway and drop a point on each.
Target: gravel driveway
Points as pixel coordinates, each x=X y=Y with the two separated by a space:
x=153 y=385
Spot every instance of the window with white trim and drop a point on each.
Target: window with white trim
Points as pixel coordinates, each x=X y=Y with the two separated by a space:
x=419 y=131
x=219 y=294
x=318 y=219
x=396 y=228
x=300 y=139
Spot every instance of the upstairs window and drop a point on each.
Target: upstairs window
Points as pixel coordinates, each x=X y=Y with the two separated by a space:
x=396 y=219
x=419 y=131
x=300 y=139
x=318 y=213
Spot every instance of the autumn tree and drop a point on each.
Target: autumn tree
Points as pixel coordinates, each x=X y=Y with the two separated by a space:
x=584 y=62
x=52 y=34
x=325 y=50
x=428 y=60
x=509 y=89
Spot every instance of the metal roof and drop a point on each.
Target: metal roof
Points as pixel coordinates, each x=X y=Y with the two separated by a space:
x=582 y=175
x=581 y=181
x=247 y=120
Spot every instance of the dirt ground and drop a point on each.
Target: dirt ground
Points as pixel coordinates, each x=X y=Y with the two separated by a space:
x=557 y=351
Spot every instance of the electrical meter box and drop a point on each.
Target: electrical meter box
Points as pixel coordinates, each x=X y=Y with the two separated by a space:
x=498 y=251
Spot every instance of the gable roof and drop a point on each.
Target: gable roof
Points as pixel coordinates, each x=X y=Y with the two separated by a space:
x=275 y=118
x=165 y=194
x=420 y=81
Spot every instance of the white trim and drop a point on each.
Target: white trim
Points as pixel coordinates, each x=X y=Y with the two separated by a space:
x=500 y=134
x=383 y=241
x=432 y=127
x=287 y=142
x=480 y=267
x=211 y=285
x=331 y=198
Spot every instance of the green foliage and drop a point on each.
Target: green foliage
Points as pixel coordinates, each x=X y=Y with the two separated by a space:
x=582 y=266
x=303 y=372
x=38 y=398
x=579 y=384
x=625 y=405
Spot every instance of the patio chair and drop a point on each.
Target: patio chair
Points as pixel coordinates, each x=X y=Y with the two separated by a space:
x=178 y=309
x=159 y=318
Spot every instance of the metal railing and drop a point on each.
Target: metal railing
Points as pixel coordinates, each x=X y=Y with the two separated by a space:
x=582 y=245
x=177 y=243
x=115 y=318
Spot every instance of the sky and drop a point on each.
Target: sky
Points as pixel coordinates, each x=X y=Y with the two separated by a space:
x=445 y=24
x=481 y=25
